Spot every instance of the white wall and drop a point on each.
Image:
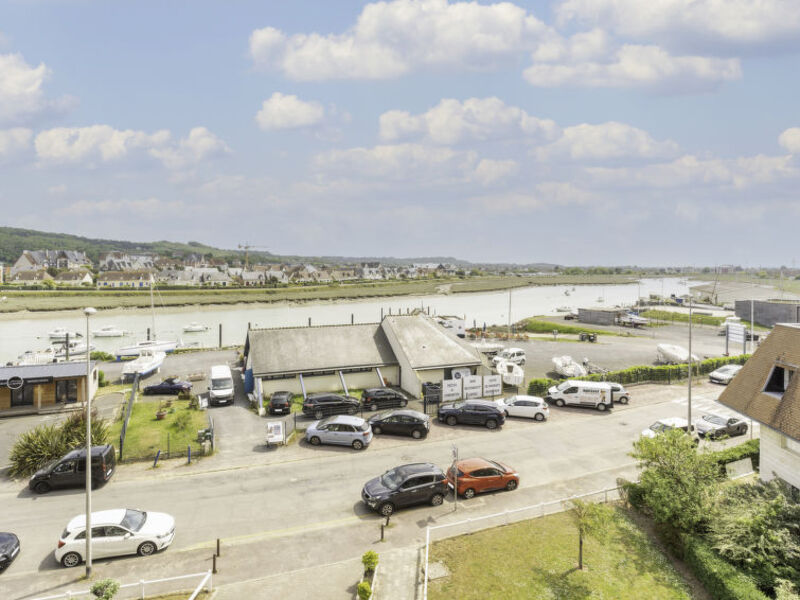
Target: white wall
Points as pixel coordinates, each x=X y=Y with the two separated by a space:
x=409 y=381
x=330 y=383
x=777 y=460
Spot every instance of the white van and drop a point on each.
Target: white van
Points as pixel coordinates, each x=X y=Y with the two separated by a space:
x=221 y=389
x=594 y=394
x=512 y=355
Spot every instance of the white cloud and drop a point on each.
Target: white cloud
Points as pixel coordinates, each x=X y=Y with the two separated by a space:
x=739 y=22
x=489 y=171
x=22 y=95
x=633 y=66
x=452 y=121
x=549 y=194
x=103 y=143
x=14 y=141
x=392 y=38
x=790 y=140
x=57 y=189
x=606 y=141
x=144 y=207
x=282 y=111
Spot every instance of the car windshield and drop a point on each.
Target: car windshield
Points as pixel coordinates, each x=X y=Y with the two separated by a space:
x=391 y=479
x=504 y=354
x=659 y=426
x=363 y=427
x=325 y=421
x=221 y=384
x=714 y=419
x=499 y=467
x=133 y=519
x=457 y=404
x=563 y=386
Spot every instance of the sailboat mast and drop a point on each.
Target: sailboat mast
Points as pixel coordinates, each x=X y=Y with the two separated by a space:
x=153 y=307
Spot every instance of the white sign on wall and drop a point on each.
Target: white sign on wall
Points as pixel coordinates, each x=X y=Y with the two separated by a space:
x=492 y=385
x=451 y=390
x=473 y=387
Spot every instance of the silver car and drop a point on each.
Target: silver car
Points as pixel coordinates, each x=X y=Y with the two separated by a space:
x=724 y=374
x=340 y=429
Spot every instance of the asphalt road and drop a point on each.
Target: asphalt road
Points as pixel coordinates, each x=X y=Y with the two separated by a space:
x=303 y=504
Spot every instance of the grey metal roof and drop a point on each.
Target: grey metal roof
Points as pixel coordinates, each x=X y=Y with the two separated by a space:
x=324 y=348
x=427 y=346
x=56 y=370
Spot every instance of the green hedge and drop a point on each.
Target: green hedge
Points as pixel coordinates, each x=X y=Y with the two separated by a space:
x=536 y=326
x=668 y=315
x=750 y=449
x=644 y=373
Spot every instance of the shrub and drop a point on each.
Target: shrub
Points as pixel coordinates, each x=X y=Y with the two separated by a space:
x=370 y=560
x=101 y=379
x=184 y=395
x=364 y=590
x=105 y=588
x=102 y=356
x=182 y=421
x=631 y=492
x=750 y=449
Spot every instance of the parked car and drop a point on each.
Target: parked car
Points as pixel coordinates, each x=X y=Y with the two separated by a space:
x=9 y=548
x=512 y=355
x=715 y=426
x=280 y=403
x=590 y=394
x=171 y=385
x=70 y=470
x=667 y=424
x=375 y=398
x=476 y=475
x=401 y=422
x=322 y=405
x=342 y=430
x=221 y=389
x=724 y=374
x=531 y=407
x=619 y=393
x=115 y=533
x=472 y=412
x=406 y=485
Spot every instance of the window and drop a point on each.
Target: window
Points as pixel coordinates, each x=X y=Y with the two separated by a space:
x=67 y=391
x=22 y=396
x=65 y=467
x=778 y=381
x=791 y=445
x=572 y=390
x=114 y=531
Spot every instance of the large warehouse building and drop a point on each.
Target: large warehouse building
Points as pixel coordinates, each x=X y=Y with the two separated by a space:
x=400 y=351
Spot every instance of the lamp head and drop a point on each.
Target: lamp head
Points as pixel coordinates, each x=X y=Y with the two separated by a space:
x=89 y=311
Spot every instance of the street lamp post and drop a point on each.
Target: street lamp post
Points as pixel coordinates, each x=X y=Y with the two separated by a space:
x=689 y=404
x=88 y=311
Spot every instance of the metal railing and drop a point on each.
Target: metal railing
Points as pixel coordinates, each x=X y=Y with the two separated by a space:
x=505 y=518
x=206 y=581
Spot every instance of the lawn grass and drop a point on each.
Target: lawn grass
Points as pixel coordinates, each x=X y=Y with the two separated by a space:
x=538 y=559
x=146 y=435
x=679 y=317
x=538 y=326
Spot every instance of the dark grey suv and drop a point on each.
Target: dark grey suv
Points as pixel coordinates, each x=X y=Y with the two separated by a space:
x=323 y=405
x=472 y=412
x=406 y=485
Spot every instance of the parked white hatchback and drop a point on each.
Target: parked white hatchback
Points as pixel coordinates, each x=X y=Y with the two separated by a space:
x=531 y=407
x=115 y=533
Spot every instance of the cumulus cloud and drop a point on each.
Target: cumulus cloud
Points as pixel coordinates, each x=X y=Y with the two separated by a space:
x=790 y=140
x=629 y=66
x=282 y=111
x=392 y=38
x=15 y=140
x=103 y=144
x=452 y=121
x=490 y=171
x=697 y=22
x=22 y=95
x=606 y=141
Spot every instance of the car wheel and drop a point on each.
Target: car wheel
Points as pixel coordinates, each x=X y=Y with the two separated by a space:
x=416 y=434
x=352 y=410
x=376 y=429
x=506 y=413
x=560 y=402
x=538 y=417
x=373 y=407
x=452 y=420
x=601 y=407
x=314 y=441
x=491 y=424
x=522 y=363
x=511 y=485
x=146 y=549
x=386 y=509
x=469 y=493
x=70 y=559
x=357 y=444
x=41 y=487
x=437 y=499
x=623 y=400
x=743 y=430
x=318 y=414
x=403 y=403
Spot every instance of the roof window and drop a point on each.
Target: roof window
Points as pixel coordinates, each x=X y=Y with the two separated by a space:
x=778 y=381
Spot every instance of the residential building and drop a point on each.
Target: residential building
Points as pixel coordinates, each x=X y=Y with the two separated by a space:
x=122 y=261
x=30 y=277
x=253 y=278
x=767 y=390
x=40 y=388
x=371 y=270
x=346 y=274
x=121 y=279
x=74 y=278
x=34 y=260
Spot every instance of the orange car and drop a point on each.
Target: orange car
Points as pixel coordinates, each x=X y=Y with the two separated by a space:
x=477 y=475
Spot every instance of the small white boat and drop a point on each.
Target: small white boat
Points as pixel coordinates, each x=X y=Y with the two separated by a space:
x=109 y=331
x=567 y=367
x=195 y=327
x=566 y=309
x=670 y=354
x=511 y=373
x=37 y=357
x=136 y=349
x=60 y=334
x=487 y=347
x=77 y=348
x=148 y=362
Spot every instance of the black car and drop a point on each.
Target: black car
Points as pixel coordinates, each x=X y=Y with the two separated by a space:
x=322 y=405
x=70 y=470
x=472 y=412
x=401 y=422
x=415 y=483
x=280 y=403
x=9 y=548
x=375 y=398
x=171 y=385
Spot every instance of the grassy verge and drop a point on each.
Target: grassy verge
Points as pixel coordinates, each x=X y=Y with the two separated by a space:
x=146 y=435
x=538 y=559
x=676 y=317
x=538 y=326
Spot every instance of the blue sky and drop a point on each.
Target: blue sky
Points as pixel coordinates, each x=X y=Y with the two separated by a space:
x=572 y=131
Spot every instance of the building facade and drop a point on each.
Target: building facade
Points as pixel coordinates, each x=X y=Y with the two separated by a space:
x=42 y=388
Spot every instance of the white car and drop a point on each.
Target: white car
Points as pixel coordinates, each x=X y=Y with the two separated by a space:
x=531 y=407
x=665 y=425
x=724 y=374
x=114 y=533
x=512 y=355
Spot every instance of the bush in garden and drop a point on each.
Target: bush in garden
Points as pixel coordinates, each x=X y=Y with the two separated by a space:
x=364 y=590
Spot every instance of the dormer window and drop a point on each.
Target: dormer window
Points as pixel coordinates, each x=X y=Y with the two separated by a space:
x=778 y=381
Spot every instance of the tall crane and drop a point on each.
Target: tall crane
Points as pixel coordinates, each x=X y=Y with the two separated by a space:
x=246 y=247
